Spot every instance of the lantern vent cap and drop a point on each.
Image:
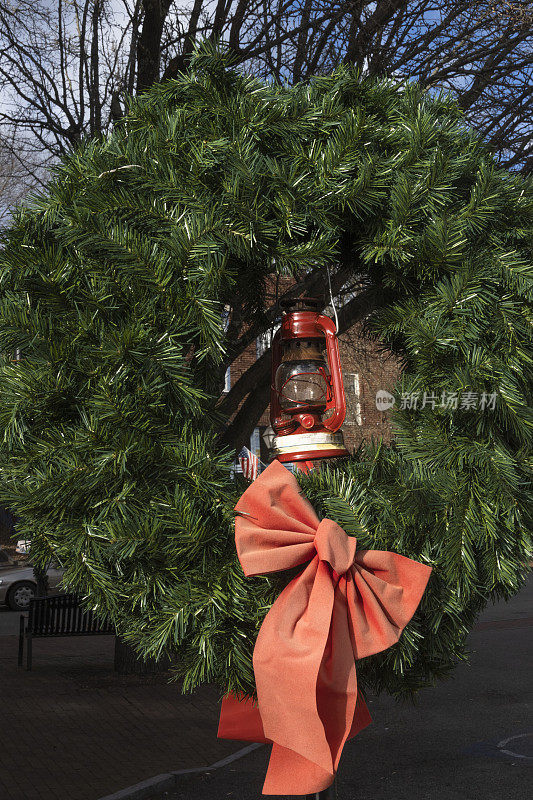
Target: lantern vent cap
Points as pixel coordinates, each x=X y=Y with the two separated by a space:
x=290 y=304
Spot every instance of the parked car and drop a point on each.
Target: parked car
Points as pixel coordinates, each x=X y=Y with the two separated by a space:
x=17 y=583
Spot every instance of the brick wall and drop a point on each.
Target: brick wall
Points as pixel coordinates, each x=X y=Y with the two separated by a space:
x=375 y=370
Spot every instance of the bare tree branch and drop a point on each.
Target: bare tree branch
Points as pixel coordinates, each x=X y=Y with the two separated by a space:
x=66 y=66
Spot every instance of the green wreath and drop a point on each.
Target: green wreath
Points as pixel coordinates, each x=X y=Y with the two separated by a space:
x=113 y=281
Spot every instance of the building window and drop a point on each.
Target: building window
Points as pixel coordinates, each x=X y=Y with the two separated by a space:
x=264 y=340
x=255 y=442
x=225 y=325
x=352 y=389
x=225 y=318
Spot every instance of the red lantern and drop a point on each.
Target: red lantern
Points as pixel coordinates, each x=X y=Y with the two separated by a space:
x=307 y=402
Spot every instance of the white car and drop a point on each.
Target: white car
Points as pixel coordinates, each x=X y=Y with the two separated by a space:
x=17 y=582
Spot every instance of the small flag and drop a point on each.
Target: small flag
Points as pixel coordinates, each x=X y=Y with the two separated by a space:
x=249 y=464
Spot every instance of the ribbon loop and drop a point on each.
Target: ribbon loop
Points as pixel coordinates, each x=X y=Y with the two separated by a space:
x=335 y=546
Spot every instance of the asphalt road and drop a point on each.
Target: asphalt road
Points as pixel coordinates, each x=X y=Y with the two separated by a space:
x=469 y=738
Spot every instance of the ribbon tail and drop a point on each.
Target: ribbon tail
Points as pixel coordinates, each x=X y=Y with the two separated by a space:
x=341 y=709
x=287 y=658
x=336 y=689
x=290 y=773
x=241 y=720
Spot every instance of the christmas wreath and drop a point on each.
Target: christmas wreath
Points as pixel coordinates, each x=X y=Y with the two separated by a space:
x=113 y=282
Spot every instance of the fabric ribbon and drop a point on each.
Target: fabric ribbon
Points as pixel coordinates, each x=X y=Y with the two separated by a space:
x=344 y=605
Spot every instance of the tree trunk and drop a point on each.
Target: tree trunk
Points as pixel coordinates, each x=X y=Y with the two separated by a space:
x=41 y=579
x=149 y=42
x=128 y=663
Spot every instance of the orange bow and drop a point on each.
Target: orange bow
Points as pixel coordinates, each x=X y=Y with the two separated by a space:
x=341 y=607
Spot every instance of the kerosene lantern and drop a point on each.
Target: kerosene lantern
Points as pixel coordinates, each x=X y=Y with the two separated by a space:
x=307 y=402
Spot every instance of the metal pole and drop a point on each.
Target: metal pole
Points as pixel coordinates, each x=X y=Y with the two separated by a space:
x=326 y=794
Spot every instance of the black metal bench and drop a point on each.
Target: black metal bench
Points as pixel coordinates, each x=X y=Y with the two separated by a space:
x=58 y=615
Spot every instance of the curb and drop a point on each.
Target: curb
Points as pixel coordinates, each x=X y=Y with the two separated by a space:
x=168 y=781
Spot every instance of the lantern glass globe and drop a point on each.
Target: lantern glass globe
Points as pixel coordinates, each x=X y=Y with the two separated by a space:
x=301 y=384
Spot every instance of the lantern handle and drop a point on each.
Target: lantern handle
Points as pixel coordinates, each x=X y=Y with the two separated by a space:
x=334 y=422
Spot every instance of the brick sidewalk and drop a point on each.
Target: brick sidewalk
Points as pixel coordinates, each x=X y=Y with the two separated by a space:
x=73 y=730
